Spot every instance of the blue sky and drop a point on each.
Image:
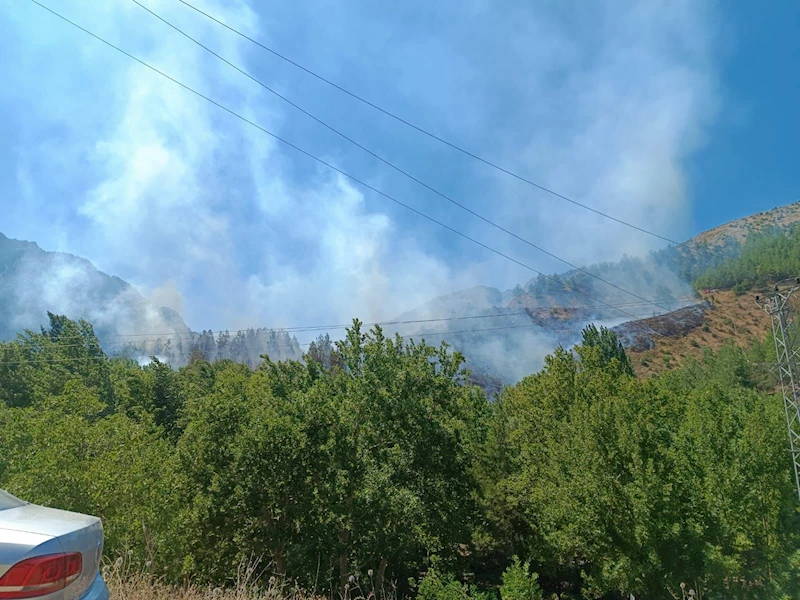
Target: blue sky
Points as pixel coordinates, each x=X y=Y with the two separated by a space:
x=750 y=160
x=674 y=115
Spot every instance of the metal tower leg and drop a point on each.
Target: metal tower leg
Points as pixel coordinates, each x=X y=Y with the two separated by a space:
x=777 y=306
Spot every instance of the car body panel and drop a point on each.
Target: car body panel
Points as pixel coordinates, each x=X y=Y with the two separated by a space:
x=20 y=545
x=28 y=530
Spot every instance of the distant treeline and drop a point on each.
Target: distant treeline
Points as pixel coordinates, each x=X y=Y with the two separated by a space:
x=246 y=346
x=375 y=461
x=662 y=276
x=764 y=258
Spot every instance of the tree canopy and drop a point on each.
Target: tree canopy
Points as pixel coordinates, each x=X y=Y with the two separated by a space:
x=375 y=459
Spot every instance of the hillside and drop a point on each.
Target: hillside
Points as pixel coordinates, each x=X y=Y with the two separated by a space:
x=722 y=317
x=510 y=347
x=503 y=334
x=34 y=282
x=738 y=230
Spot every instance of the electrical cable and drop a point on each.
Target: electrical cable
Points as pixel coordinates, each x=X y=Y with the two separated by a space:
x=321 y=161
x=429 y=133
x=387 y=162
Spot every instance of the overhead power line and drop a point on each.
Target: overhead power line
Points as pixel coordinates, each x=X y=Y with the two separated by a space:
x=387 y=162
x=150 y=337
x=420 y=336
x=426 y=132
x=324 y=163
x=313 y=328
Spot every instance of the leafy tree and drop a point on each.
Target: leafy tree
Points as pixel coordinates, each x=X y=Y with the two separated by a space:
x=36 y=365
x=64 y=452
x=250 y=458
x=323 y=352
x=435 y=586
x=619 y=486
x=611 y=355
x=519 y=583
x=403 y=443
x=376 y=455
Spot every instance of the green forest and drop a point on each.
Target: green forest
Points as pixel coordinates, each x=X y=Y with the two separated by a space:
x=763 y=259
x=374 y=464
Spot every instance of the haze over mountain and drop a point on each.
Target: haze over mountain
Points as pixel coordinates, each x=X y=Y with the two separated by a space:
x=503 y=334
x=156 y=185
x=34 y=282
x=506 y=334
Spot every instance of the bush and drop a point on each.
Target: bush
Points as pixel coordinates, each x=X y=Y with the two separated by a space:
x=519 y=584
x=440 y=587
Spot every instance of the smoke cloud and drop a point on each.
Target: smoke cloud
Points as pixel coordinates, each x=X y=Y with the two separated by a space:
x=218 y=221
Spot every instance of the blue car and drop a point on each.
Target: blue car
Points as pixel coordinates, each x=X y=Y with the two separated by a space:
x=49 y=554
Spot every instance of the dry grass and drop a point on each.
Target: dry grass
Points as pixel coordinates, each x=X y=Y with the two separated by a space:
x=145 y=588
x=741 y=228
x=731 y=318
x=125 y=583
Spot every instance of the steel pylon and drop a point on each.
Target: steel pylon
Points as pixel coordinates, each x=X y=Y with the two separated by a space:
x=777 y=305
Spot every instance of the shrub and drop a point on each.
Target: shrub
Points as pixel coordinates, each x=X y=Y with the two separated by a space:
x=440 y=587
x=519 y=584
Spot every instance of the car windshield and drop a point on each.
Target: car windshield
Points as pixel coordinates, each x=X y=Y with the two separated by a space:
x=9 y=501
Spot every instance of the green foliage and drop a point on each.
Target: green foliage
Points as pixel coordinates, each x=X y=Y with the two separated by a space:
x=614 y=485
x=438 y=587
x=37 y=366
x=681 y=264
x=376 y=455
x=519 y=583
x=63 y=452
x=764 y=258
x=610 y=353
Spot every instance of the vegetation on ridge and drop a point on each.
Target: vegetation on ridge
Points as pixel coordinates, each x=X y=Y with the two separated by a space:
x=373 y=467
x=376 y=462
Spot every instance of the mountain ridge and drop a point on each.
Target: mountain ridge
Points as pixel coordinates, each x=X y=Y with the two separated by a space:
x=543 y=306
x=503 y=334
x=34 y=281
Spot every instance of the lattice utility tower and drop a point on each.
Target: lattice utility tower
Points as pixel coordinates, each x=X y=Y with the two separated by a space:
x=776 y=304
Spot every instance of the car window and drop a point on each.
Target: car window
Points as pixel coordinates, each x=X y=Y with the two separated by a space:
x=8 y=501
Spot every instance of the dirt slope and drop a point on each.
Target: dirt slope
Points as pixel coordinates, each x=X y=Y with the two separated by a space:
x=725 y=316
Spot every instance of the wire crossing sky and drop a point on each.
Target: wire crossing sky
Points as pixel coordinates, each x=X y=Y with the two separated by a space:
x=639 y=112
x=371 y=153
x=565 y=285
x=409 y=124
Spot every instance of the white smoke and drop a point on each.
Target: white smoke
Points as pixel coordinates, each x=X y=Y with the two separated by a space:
x=155 y=185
